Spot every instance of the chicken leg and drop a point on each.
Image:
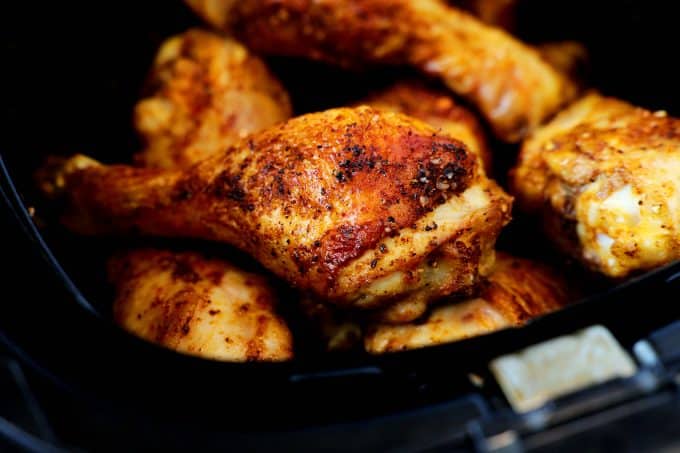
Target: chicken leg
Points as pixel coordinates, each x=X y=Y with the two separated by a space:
x=509 y=82
x=361 y=207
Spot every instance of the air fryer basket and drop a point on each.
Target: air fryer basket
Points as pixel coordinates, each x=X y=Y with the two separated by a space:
x=72 y=87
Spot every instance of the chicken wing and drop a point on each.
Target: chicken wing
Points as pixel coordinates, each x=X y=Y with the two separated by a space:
x=208 y=92
x=198 y=306
x=437 y=109
x=517 y=291
x=359 y=206
x=513 y=88
x=606 y=177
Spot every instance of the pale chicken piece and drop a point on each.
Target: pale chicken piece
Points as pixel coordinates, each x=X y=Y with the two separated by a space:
x=605 y=176
x=360 y=207
x=436 y=108
x=508 y=81
x=517 y=291
x=198 y=306
x=207 y=92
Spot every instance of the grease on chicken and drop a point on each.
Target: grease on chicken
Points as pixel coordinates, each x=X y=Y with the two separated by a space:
x=436 y=108
x=606 y=177
x=517 y=291
x=198 y=306
x=207 y=92
x=508 y=82
x=361 y=207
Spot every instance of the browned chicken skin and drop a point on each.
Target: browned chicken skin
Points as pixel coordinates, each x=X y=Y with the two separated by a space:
x=412 y=98
x=605 y=176
x=568 y=57
x=208 y=92
x=358 y=206
x=517 y=291
x=198 y=306
x=437 y=109
x=513 y=88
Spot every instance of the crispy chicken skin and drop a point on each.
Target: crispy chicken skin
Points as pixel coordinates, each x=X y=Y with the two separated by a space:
x=606 y=177
x=510 y=84
x=517 y=291
x=436 y=108
x=359 y=206
x=198 y=306
x=207 y=92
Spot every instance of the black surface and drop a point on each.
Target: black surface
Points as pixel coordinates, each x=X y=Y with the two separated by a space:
x=70 y=75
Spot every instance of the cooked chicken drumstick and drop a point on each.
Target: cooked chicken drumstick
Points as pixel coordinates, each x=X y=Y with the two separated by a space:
x=517 y=291
x=513 y=88
x=437 y=109
x=358 y=206
x=606 y=177
x=208 y=92
x=198 y=306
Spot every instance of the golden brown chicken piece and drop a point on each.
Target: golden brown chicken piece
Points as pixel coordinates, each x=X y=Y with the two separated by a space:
x=606 y=177
x=208 y=92
x=568 y=57
x=359 y=206
x=437 y=109
x=513 y=88
x=198 y=306
x=517 y=291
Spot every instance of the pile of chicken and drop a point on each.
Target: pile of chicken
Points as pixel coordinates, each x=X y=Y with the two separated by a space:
x=382 y=215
